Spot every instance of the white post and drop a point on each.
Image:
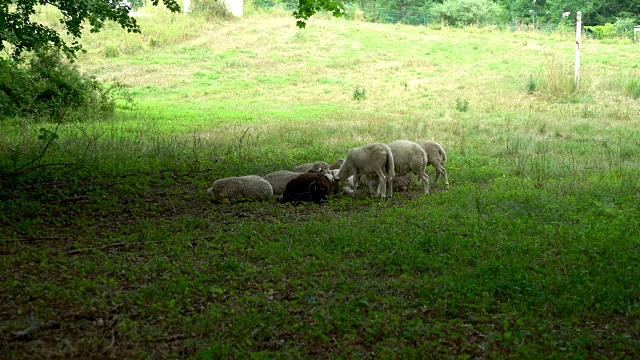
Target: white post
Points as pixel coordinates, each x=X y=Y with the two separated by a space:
x=235 y=7
x=186 y=6
x=578 y=41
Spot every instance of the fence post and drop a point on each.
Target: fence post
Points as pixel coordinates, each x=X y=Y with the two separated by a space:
x=578 y=41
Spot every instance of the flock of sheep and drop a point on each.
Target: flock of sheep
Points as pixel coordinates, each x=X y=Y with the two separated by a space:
x=377 y=165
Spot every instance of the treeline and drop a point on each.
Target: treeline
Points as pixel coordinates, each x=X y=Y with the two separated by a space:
x=482 y=12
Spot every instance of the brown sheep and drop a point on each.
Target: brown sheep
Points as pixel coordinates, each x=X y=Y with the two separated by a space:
x=311 y=186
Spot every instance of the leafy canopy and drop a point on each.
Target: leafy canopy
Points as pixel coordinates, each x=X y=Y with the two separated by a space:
x=306 y=9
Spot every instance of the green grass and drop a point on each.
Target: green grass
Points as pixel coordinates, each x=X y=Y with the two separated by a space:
x=532 y=253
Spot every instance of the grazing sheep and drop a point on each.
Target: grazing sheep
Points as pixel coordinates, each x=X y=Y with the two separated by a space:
x=310 y=186
x=280 y=179
x=336 y=164
x=371 y=159
x=409 y=157
x=334 y=176
x=318 y=165
x=403 y=182
x=243 y=187
x=437 y=158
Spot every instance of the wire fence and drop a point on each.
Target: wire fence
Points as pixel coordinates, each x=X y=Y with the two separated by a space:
x=424 y=17
x=375 y=14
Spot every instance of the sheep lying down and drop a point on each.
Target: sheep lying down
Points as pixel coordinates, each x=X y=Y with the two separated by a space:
x=310 y=186
x=250 y=187
x=318 y=166
x=280 y=179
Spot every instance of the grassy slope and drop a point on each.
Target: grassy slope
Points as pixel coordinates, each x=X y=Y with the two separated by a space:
x=533 y=252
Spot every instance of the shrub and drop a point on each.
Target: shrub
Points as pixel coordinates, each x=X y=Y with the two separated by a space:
x=210 y=9
x=468 y=12
x=602 y=31
x=624 y=27
x=42 y=85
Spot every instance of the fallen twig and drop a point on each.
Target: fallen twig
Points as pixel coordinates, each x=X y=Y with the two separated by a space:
x=40 y=238
x=38 y=325
x=110 y=349
x=77 y=251
x=169 y=338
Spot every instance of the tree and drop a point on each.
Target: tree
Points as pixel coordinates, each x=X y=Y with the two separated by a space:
x=306 y=9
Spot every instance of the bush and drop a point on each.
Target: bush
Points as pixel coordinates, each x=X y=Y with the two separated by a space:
x=41 y=85
x=468 y=12
x=210 y=9
x=602 y=31
x=624 y=27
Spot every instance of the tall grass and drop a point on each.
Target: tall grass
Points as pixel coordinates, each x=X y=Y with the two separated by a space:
x=159 y=27
x=558 y=80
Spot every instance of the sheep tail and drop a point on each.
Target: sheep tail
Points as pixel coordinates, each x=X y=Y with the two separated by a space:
x=443 y=156
x=390 y=166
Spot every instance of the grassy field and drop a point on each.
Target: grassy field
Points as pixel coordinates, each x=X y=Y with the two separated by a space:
x=534 y=252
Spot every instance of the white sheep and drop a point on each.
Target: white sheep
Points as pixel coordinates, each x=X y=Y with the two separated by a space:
x=437 y=158
x=318 y=166
x=280 y=179
x=399 y=182
x=409 y=157
x=336 y=164
x=371 y=159
x=334 y=176
x=243 y=187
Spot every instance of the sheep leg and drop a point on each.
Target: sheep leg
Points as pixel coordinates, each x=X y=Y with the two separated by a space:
x=355 y=182
x=425 y=179
x=390 y=186
x=440 y=170
x=371 y=185
x=382 y=184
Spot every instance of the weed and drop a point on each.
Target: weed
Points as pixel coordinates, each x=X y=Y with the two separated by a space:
x=531 y=85
x=111 y=51
x=632 y=88
x=359 y=94
x=462 y=104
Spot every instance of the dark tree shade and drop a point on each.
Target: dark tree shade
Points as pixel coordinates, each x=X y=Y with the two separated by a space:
x=18 y=29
